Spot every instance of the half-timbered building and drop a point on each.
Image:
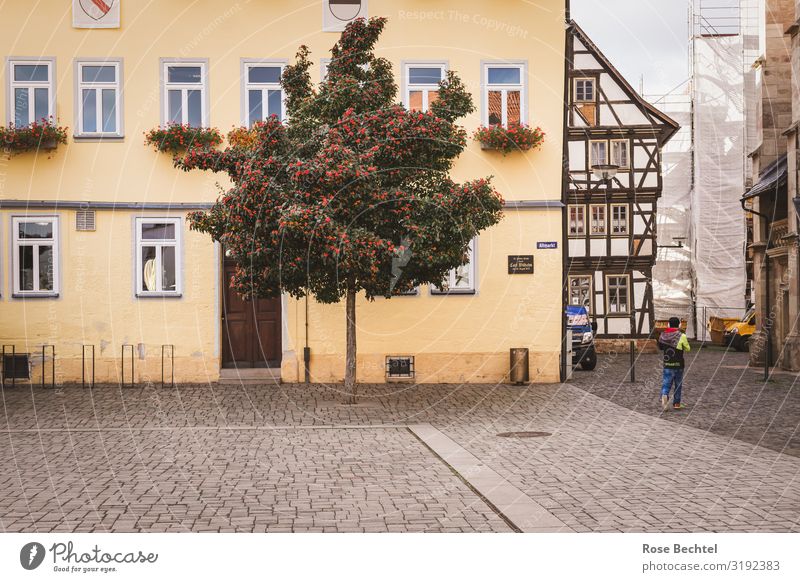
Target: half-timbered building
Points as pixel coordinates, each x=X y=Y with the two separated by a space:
x=613 y=183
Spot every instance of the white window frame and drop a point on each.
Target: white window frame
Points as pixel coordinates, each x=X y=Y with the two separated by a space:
x=247 y=86
x=593 y=81
x=17 y=242
x=522 y=87
x=166 y=86
x=626 y=144
x=590 y=290
x=449 y=285
x=140 y=291
x=608 y=292
x=579 y=233
x=627 y=220
x=425 y=88
x=592 y=158
x=11 y=85
x=604 y=231
x=80 y=85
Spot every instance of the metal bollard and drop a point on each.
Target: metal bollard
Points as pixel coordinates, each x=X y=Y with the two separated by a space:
x=633 y=362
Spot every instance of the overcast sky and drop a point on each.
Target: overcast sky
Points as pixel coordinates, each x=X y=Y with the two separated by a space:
x=640 y=37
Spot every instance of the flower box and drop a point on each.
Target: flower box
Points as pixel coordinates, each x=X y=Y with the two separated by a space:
x=42 y=135
x=513 y=138
x=176 y=138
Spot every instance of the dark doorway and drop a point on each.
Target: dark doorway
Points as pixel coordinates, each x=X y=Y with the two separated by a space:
x=251 y=330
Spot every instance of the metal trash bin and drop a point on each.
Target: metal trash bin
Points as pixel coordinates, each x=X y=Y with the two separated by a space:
x=519 y=366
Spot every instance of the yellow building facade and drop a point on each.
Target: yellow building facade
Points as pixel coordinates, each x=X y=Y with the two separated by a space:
x=95 y=248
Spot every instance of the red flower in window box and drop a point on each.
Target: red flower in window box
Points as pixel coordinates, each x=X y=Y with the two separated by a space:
x=39 y=135
x=512 y=138
x=176 y=138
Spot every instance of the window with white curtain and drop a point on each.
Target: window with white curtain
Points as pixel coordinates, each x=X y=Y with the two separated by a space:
x=461 y=279
x=158 y=256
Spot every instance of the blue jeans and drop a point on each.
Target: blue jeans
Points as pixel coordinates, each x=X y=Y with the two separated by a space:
x=673 y=375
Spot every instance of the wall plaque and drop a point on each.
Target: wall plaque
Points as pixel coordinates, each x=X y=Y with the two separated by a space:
x=520 y=264
x=95 y=13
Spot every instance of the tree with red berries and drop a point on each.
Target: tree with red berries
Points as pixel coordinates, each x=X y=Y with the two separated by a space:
x=352 y=193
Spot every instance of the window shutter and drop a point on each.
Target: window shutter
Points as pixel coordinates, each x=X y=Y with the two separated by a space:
x=85 y=220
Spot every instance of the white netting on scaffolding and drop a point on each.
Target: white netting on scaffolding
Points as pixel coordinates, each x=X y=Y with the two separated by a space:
x=718 y=225
x=672 y=273
x=704 y=168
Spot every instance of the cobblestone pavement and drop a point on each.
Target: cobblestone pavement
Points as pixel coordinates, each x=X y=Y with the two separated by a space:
x=294 y=458
x=724 y=395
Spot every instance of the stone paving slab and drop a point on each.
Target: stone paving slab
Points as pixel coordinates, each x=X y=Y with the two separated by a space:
x=724 y=395
x=523 y=512
x=345 y=480
x=244 y=458
x=609 y=469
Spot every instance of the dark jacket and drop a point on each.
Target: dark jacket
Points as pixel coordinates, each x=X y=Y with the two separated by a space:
x=674 y=344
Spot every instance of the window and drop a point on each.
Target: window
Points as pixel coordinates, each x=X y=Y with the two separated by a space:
x=619 y=152
x=598 y=226
x=30 y=91
x=461 y=279
x=35 y=255
x=619 y=219
x=598 y=155
x=158 y=256
x=577 y=220
x=584 y=90
x=422 y=85
x=580 y=291
x=263 y=95
x=323 y=69
x=98 y=97
x=185 y=88
x=617 y=294
x=399 y=366
x=504 y=97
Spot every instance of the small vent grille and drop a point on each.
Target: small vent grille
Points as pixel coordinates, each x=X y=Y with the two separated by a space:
x=85 y=220
x=399 y=366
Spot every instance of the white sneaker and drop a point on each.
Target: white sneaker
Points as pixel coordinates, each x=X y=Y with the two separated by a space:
x=664 y=402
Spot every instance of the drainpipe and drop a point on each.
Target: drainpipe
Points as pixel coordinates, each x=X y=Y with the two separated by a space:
x=565 y=200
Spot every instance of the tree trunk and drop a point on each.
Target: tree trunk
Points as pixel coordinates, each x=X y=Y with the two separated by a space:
x=350 y=358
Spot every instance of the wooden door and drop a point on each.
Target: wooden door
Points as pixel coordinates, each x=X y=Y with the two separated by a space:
x=251 y=330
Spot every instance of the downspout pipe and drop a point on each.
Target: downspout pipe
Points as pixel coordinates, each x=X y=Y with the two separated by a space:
x=565 y=199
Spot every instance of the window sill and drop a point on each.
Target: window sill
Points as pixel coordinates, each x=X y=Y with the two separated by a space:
x=155 y=295
x=400 y=379
x=34 y=295
x=96 y=137
x=454 y=292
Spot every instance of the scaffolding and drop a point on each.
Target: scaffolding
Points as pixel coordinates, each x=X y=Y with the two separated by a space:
x=705 y=168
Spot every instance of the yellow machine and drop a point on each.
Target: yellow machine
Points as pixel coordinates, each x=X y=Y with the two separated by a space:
x=738 y=334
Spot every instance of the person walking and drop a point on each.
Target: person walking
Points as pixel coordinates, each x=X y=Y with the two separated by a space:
x=674 y=344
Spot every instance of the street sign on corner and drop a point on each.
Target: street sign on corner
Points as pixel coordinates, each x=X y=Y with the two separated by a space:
x=546 y=245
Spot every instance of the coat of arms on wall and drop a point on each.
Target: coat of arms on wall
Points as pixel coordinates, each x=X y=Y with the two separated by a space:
x=95 y=13
x=336 y=14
